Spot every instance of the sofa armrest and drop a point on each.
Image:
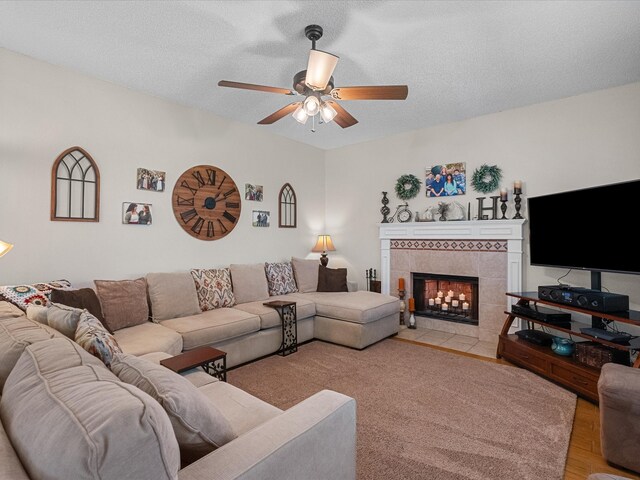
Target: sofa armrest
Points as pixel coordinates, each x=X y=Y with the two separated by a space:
x=315 y=439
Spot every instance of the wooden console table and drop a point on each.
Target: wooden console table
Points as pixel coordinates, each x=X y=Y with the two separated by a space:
x=578 y=377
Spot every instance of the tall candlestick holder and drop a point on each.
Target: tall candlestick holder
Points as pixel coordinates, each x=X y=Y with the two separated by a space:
x=503 y=208
x=412 y=318
x=385 y=210
x=516 y=193
x=403 y=304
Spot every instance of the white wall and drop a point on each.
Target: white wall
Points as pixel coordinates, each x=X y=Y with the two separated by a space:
x=45 y=109
x=577 y=142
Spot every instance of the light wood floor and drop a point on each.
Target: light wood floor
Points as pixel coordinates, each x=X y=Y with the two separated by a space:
x=584 y=457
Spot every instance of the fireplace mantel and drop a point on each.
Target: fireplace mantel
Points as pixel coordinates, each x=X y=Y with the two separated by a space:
x=510 y=231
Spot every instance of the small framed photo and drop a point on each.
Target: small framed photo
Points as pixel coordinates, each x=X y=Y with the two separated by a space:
x=136 y=213
x=260 y=218
x=153 y=180
x=253 y=192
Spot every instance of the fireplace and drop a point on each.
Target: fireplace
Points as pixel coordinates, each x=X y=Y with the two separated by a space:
x=453 y=298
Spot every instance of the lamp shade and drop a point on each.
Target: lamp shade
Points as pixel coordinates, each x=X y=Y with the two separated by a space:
x=319 y=69
x=4 y=247
x=324 y=244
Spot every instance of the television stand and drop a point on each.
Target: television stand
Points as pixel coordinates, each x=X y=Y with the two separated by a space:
x=566 y=371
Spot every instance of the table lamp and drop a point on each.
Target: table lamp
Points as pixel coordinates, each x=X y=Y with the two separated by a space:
x=4 y=247
x=323 y=244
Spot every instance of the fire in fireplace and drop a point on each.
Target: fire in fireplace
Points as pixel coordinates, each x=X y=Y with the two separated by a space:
x=453 y=298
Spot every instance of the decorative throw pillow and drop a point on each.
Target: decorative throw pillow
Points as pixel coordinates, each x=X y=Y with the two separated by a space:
x=198 y=424
x=214 y=288
x=280 y=278
x=81 y=298
x=37 y=294
x=38 y=313
x=124 y=302
x=64 y=319
x=332 y=279
x=95 y=339
x=306 y=272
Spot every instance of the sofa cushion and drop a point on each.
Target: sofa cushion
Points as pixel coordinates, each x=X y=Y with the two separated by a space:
x=24 y=295
x=16 y=334
x=172 y=295
x=332 y=279
x=280 y=278
x=213 y=326
x=124 y=302
x=9 y=310
x=214 y=288
x=249 y=282
x=357 y=307
x=64 y=319
x=243 y=411
x=149 y=337
x=269 y=317
x=10 y=466
x=306 y=272
x=95 y=339
x=63 y=410
x=199 y=426
x=83 y=298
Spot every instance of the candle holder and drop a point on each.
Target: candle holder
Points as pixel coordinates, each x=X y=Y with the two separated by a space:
x=516 y=193
x=503 y=209
x=403 y=305
x=385 y=210
x=412 y=322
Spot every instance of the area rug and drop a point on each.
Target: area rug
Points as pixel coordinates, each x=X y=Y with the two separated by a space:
x=428 y=414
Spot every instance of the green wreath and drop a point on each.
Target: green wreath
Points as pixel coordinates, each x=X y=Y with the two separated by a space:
x=407 y=187
x=486 y=178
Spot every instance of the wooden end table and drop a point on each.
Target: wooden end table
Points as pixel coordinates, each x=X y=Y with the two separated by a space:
x=289 y=321
x=212 y=361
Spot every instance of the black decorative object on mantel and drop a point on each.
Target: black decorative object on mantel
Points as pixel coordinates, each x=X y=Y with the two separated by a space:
x=517 y=191
x=385 y=210
x=493 y=208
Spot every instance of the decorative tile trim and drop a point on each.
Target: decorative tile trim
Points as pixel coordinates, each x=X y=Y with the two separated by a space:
x=451 y=245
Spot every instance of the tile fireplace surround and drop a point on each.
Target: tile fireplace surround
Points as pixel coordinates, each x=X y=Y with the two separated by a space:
x=488 y=249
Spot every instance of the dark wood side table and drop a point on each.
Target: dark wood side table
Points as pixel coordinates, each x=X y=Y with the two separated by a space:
x=289 y=321
x=212 y=361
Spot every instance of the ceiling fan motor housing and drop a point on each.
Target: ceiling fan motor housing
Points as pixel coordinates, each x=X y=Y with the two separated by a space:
x=300 y=86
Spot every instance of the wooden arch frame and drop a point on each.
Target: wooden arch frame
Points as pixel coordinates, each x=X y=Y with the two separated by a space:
x=82 y=154
x=287 y=201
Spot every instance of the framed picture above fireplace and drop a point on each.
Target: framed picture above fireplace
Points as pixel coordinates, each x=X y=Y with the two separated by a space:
x=446 y=180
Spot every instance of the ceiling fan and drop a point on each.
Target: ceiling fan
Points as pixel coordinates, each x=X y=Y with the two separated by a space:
x=315 y=83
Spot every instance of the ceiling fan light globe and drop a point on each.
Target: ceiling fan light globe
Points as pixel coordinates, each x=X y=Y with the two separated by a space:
x=300 y=115
x=319 y=69
x=327 y=112
x=311 y=106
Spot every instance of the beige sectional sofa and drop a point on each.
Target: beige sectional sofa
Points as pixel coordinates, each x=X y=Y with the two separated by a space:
x=249 y=330
x=64 y=415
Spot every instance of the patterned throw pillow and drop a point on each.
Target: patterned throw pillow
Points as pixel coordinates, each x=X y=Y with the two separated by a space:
x=95 y=339
x=37 y=294
x=214 y=288
x=280 y=278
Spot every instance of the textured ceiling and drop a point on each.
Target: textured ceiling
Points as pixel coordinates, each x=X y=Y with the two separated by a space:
x=459 y=59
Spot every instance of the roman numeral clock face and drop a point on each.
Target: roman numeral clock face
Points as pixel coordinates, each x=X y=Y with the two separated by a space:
x=206 y=202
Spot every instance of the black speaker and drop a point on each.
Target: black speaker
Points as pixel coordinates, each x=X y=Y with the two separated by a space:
x=584 y=298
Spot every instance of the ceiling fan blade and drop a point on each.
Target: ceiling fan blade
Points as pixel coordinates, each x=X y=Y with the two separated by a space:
x=319 y=69
x=380 y=92
x=277 y=115
x=251 y=86
x=343 y=118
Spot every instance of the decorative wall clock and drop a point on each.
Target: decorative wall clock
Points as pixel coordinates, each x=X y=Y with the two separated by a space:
x=206 y=202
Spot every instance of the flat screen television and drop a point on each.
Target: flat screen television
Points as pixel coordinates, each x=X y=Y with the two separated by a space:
x=587 y=229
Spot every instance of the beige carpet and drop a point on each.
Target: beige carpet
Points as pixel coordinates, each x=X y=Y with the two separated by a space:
x=428 y=414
